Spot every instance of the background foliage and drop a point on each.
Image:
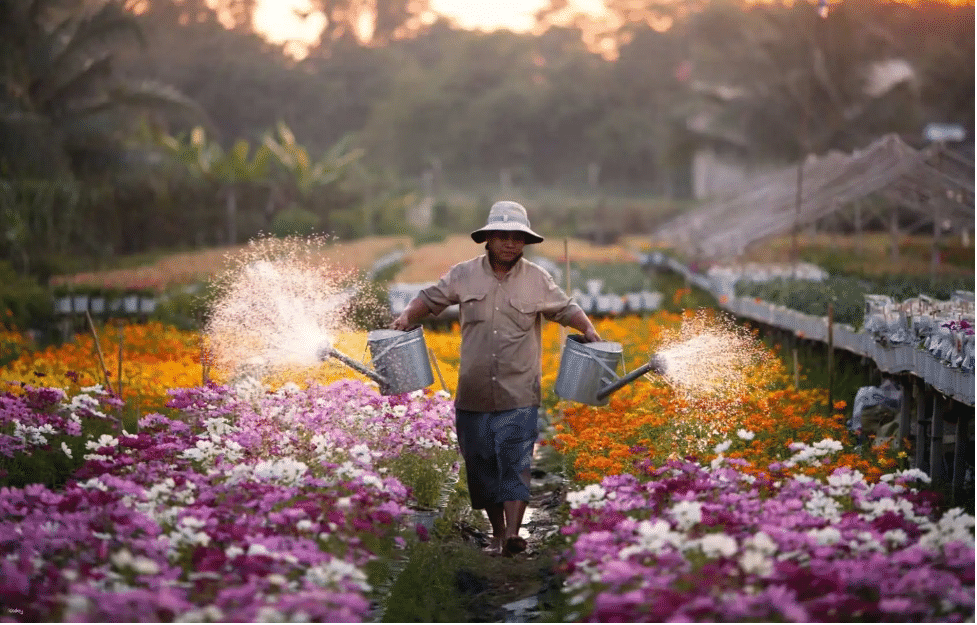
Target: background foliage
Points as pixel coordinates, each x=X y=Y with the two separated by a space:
x=132 y=126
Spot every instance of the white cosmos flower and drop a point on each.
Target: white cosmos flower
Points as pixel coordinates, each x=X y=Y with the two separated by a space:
x=145 y=566
x=825 y=536
x=756 y=563
x=840 y=484
x=821 y=505
x=686 y=514
x=336 y=571
x=910 y=474
x=592 y=495
x=745 y=434
x=717 y=545
x=104 y=440
x=954 y=526
x=895 y=537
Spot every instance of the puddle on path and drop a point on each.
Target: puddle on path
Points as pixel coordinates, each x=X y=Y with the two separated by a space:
x=522 y=611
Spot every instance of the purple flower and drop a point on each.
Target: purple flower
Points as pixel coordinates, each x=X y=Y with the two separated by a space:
x=422 y=533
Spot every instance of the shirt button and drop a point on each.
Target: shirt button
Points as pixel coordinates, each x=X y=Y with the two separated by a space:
x=496 y=307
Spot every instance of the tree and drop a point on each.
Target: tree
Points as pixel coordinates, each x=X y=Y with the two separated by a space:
x=296 y=176
x=374 y=22
x=805 y=81
x=225 y=171
x=60 y=91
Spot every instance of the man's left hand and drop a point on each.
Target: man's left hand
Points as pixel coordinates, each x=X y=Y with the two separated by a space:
x=591 y=335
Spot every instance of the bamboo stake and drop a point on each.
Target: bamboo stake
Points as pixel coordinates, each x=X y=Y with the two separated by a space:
x=831 y=356
x=121 y=341
x=98 y=348
x=437 y=369
x=566 y=260
x=797 y=372
x=204 y=369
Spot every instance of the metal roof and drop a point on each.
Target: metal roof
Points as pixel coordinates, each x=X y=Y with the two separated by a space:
x=932 y=184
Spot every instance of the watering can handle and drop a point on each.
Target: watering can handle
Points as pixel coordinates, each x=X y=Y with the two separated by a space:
x=392 y=345
x=603 y=365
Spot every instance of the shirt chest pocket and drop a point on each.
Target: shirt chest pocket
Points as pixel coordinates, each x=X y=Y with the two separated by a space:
x=522 y=313
x=473 y=308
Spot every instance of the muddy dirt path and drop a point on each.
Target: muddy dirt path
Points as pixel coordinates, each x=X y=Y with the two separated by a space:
x=450 y=578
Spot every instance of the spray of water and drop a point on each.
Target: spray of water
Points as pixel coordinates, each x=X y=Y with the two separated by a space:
x=277 y=306
x=709 y=357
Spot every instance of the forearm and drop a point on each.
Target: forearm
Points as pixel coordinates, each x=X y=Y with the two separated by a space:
x=416 y=310
x=581 y=323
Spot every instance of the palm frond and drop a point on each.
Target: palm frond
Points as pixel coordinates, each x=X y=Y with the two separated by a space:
x=78 y=85
x=153 y=94
x=94 y=31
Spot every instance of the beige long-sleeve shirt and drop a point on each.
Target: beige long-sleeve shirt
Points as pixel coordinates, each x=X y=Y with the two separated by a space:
x=501 y=319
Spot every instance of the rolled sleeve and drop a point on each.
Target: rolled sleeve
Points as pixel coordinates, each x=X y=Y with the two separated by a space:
x=557 y=306
x=441 y=295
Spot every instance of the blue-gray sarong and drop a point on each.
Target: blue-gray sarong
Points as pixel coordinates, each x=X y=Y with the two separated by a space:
x=497 y=448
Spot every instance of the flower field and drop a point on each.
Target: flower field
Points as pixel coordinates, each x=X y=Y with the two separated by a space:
x=199 y=495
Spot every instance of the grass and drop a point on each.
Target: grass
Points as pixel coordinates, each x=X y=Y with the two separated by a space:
x=424 y=476
x=840 y=254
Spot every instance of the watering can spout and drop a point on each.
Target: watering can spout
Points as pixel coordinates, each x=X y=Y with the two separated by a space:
x=399 y=359
x=326 y=352
x=657 y=364
x=654 y=365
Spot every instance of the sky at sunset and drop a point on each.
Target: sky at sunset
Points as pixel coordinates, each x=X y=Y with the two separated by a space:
x=277 y=20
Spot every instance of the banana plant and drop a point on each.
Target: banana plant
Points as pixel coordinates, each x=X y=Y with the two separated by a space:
x=61 y=97
x=227 y=171
x=297 y=174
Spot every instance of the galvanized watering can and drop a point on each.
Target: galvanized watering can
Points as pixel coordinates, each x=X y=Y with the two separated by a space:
x=400 y=360
x=588 y=371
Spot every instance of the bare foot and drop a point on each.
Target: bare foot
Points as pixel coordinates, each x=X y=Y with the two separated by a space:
x=494 y=548
x=514 y=545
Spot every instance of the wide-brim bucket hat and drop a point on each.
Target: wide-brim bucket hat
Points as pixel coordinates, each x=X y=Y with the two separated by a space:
x=507 y=216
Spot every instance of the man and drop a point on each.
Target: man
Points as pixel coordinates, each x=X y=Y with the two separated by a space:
x=502 y=299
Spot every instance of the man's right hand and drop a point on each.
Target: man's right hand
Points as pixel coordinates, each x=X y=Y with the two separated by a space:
x=414 y=312
x=401 y=322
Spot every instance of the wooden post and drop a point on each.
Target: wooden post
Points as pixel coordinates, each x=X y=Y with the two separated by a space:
x=831 y=356
x=797 y=370
x=935 y=246
x=798 y=197
x=203 y=361
x=959 y=458
x=566 y=265
x=437 y=368
x=937 y=473
x=119 y=325
x=566 y=260
x=894 y=232
x=922 y=427
x=904 y=416
x=98 y=350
